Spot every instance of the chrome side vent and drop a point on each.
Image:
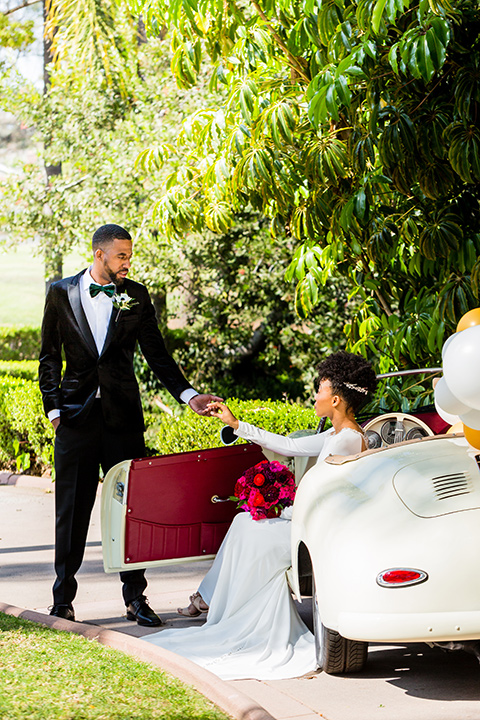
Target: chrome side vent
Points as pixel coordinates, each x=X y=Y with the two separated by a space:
x=452 y=485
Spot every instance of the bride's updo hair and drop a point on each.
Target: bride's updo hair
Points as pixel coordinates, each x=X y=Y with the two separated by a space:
x=351 y=376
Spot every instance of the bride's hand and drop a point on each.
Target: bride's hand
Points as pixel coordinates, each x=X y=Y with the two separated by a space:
x=221 y=411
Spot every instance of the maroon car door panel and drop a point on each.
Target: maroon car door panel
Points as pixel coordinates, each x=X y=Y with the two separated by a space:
x=171 y=508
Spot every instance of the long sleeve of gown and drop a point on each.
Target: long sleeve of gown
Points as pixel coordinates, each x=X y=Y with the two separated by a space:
x=309 y=446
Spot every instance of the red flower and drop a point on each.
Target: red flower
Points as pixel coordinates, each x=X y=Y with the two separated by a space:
x=278 y=490
x=238 y=489
x=258 y=499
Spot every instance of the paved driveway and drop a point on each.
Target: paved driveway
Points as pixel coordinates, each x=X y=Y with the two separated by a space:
x=399 y=683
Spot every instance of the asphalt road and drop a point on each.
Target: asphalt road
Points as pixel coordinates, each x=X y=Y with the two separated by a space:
x=399 y=682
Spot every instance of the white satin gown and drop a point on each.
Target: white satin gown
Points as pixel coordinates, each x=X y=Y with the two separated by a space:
x=253 y=629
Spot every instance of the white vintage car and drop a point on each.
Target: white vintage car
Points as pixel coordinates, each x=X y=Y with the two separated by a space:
x=392 y=539
x=391 y=536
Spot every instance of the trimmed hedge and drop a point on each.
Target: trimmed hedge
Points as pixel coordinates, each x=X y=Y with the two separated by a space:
x=26 y=435
x=19 y=342
x=26 y=369
x=189 y=431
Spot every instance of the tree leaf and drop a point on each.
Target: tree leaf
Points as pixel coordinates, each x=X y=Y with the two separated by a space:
x=377 y=14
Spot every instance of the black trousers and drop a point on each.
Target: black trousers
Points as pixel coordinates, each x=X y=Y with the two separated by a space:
x=79 y=454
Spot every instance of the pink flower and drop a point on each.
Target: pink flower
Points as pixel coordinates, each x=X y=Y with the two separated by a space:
x=278 y=489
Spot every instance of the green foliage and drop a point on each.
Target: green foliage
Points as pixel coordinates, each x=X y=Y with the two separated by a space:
x=188 y=431
x=26 y=435
x=353 y=126
x=26 y=369
x=15 y=35
x=401 y=394
x=95 y=133
x=238 y=331
x=74 y=677
x=7 y=438
x=100 y=37
x=19 y=343
x=240 y=334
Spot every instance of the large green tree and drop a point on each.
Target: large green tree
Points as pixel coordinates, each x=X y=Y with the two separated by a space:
x=232 y=319
x=353 y=125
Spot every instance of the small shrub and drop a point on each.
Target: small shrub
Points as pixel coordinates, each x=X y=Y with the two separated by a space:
x=26 y=369
x=24 y=429
x=19 y=342
x=189 y=431
x=7 y=437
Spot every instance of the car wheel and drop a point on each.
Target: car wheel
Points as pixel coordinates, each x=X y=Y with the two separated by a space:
x=336 y=654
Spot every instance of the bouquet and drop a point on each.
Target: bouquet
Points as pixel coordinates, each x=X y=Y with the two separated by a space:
x=265 y=489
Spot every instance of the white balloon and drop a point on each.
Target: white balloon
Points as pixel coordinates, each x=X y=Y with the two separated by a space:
x=447 y=343
x=448 y=417
x=461 y=367
x=447 y=401
x=471 y=419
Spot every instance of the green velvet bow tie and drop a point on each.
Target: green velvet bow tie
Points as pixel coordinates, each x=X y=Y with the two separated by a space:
x=95 y=289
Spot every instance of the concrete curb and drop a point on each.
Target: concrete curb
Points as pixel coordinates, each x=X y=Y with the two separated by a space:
x=8 y=478
x=232 y=702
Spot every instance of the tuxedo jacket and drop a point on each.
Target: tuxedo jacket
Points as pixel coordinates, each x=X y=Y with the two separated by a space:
x=65 y=328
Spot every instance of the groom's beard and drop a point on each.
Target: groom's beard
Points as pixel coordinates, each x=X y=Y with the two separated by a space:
x=118 y=280
x=115 y=277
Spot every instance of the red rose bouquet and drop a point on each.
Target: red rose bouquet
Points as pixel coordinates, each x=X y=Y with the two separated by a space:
x=265 y=489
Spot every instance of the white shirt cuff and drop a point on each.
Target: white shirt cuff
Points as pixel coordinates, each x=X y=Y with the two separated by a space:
x=187 y=395
x=53 y=414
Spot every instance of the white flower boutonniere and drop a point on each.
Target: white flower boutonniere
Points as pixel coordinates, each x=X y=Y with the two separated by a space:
x=123 y=301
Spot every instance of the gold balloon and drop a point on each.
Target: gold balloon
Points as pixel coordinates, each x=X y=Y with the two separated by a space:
x=472 y=437
x=470 y=319
x=457 y=428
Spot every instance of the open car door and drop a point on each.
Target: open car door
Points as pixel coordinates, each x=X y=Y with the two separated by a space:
x=171 y=508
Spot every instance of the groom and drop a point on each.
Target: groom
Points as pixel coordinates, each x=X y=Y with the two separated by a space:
x=96 y=319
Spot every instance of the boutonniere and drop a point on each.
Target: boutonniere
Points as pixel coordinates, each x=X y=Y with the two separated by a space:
x=123 y=301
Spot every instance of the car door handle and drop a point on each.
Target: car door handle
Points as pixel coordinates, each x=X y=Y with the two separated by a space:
x=215 y=499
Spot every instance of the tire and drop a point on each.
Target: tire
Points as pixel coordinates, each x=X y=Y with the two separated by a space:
x=336 y=654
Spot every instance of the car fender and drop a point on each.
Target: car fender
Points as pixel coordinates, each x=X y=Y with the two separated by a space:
x=356 y=519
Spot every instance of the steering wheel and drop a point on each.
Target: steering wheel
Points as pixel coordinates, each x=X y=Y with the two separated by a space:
x=393 y=428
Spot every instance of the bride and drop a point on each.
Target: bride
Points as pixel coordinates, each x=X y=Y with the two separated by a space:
x=253 y=629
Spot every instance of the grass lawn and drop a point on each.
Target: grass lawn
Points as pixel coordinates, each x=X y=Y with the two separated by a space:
x=22 y=290
x=51 y=675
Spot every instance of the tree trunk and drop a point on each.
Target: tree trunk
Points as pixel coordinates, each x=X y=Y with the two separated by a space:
x=53 y=260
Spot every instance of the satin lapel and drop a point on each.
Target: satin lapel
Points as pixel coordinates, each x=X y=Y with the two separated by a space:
x=112 y=326
x=73 y=291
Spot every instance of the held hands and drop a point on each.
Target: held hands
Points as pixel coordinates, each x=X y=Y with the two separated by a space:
x=213 y=406
x=221 y=411
x=200 y=403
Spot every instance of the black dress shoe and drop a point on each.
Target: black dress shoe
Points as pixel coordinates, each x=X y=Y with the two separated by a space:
x=63 y=611
x=140 y=611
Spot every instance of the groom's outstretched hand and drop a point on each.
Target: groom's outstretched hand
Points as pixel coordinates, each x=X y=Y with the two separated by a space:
x=199 y=403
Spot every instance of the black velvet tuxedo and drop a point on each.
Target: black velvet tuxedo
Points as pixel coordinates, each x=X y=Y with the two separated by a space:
x=95 y=432
x=65 y=324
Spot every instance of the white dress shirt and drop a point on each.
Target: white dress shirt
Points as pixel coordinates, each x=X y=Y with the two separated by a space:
x=98 y=311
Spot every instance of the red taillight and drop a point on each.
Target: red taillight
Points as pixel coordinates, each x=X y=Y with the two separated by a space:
x=399 y=577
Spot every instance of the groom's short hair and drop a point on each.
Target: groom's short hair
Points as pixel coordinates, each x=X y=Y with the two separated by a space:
x=106 y=234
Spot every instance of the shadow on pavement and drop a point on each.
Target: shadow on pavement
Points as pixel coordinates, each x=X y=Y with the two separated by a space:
x=425 y=672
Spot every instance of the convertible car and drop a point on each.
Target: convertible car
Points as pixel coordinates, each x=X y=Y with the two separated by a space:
x=389 y=538
x=392 y=539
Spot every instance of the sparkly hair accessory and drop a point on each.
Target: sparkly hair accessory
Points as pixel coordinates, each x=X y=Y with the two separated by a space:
x=359 y=389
